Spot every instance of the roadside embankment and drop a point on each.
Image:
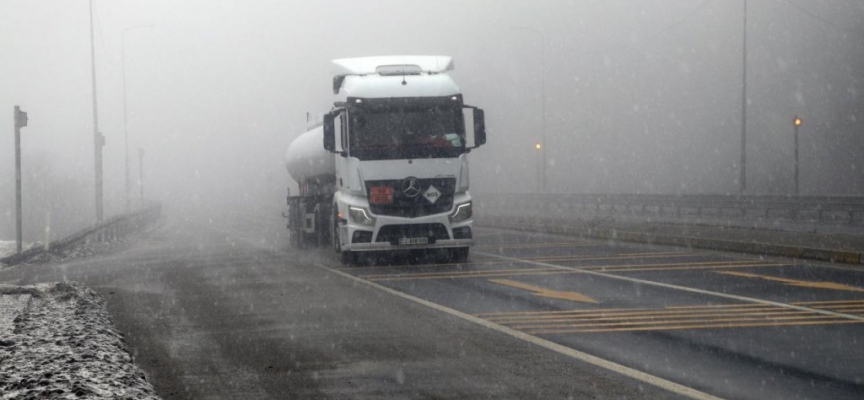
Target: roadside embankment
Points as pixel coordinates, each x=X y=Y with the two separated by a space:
x=62 y=343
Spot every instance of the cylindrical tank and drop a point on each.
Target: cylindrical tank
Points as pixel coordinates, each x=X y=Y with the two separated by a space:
x=306 y=158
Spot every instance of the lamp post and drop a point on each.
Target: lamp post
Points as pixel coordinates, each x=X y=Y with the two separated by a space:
x=141 y=176
x=98 y=139
x=542 y=150
x=539 y=148
x=797 y=123
x=125 y=113
x=743 y=172
x=20 y=118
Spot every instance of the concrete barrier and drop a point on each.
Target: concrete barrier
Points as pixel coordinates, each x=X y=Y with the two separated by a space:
x=107 y=230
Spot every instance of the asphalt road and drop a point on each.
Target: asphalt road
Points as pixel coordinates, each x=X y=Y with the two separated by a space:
x=214 y=310
x=728 y=325
x=224 y=310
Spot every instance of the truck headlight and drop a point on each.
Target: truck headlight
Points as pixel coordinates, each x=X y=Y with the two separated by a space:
x=463 y=212
x=360 y=216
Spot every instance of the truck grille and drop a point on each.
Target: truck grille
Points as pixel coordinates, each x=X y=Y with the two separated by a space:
x=417 y=206
x=392 y=233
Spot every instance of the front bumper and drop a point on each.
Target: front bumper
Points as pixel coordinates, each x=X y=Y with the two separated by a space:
x=388 y=229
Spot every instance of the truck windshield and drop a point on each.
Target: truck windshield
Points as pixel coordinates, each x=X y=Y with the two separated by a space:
x=386 y=133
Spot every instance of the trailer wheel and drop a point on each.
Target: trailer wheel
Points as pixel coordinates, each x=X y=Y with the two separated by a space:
x=345 y=257
x=458 y=255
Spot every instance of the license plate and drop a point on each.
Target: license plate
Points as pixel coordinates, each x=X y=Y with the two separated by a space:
x=415 y=240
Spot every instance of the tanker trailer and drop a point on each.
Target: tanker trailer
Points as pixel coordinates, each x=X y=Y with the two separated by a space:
x=314 y=170
x=388 y=168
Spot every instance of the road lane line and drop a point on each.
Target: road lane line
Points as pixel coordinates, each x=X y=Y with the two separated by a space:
x=462 y=274
x=795 y=282
x=683 y=288
x=851 y=301
x=688 y=267
x=660 y=323
x=543 y=292
x=539 y=245
x=561 y=258
x=690 y=327
x=625 y=256
x=556 y=269
x=560 y=349
x=648 y=316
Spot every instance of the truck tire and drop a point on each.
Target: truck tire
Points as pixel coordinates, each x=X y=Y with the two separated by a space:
x=458 y=255
x=345 y=257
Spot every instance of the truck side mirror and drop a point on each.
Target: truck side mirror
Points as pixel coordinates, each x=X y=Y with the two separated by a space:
x=330 y=131
x=479 y=128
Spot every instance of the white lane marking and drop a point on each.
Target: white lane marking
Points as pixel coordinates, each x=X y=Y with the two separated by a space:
x=576 y=354
x=682 y=288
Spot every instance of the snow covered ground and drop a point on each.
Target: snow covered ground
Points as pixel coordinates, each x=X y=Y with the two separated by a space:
x=64 y=345
x=8 y=248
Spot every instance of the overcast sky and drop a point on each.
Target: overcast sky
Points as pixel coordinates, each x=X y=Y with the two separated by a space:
x=639 y=96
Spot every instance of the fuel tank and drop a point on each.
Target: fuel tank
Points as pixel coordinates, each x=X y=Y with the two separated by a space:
x=306 y=158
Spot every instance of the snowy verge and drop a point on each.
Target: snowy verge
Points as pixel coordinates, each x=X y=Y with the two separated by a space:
x=64 y=345
x=10 y=247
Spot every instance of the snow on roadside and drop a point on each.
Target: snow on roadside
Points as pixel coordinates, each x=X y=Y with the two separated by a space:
x=9 y=247
x=65 y=345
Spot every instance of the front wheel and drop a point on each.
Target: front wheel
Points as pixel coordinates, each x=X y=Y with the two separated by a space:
x=345 y=257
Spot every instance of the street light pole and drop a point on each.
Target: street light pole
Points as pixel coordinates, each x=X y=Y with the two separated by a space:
x=20 y=118
x=743 y=170
x=98 y=142
x=539 y=148
x=797 y=122
x=125 y=112
x=542 y=101
x=141 y=176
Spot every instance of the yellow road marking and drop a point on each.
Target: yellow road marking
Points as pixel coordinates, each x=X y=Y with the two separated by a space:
x=696 y=326
x=466 y=274
x=434 y=265
x=567 y=351
x=830 y=302
x=680 y=317
x=655 y=315
x=794 y=282
x=684 y=288
x=686 y=267
x=542 y=292
x=615 y=257
x=539 y=245
x=660 y=324
x=556 y=269
x=559 y=259
x=516 y=313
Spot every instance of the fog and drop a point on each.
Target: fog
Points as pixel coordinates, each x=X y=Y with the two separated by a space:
x=639 y=97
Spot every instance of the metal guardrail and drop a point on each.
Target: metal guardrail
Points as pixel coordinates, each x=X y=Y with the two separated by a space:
x=107 y=230
x=848 y=209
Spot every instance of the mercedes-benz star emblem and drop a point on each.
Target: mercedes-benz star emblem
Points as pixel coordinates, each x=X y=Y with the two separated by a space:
x=411 y=187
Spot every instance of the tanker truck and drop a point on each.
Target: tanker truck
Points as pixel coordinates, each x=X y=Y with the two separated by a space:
x=386 y=170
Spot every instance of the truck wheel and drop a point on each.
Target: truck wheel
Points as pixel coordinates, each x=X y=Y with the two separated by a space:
x=458 y=255
x=345 y=257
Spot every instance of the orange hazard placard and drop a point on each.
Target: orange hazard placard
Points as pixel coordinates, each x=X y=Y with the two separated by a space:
x=381 y=195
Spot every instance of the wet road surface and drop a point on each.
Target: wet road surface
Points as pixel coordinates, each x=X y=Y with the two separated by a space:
x=216 y=311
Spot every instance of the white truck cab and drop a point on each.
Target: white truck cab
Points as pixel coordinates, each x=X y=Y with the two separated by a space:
x=399 y=177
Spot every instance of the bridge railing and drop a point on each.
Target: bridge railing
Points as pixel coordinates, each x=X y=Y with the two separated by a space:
x=849 y=209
